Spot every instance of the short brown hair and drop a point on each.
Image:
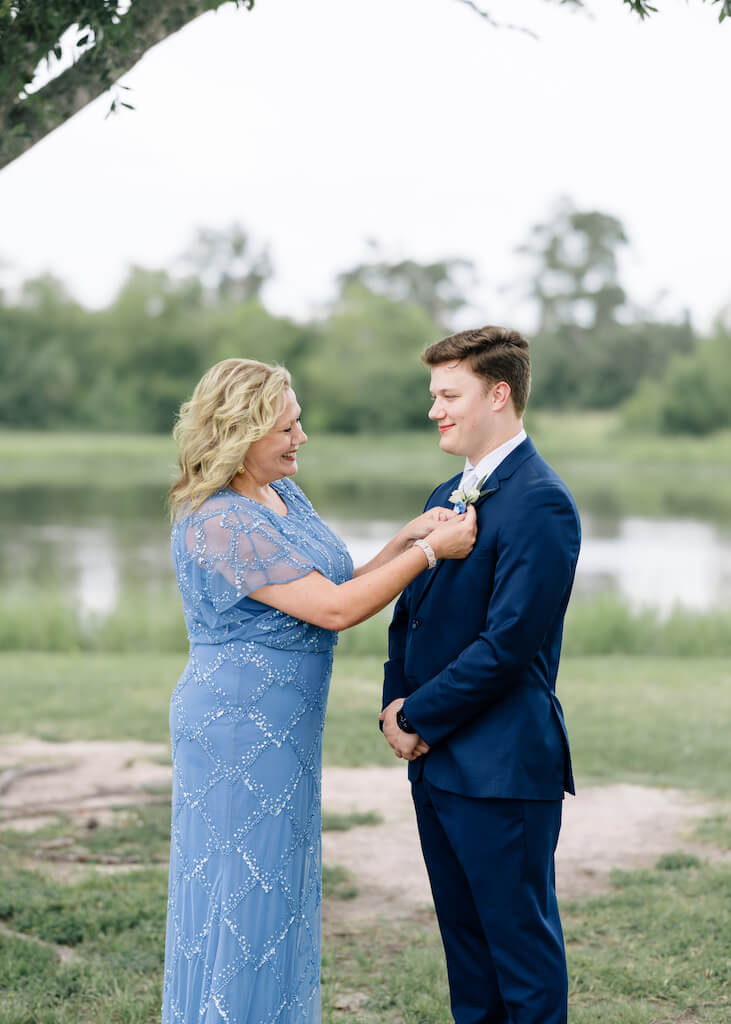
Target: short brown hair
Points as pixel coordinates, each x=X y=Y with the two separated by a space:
x=494 y=353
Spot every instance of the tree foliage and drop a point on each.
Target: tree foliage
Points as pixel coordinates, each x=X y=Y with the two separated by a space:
x=83 y=47
x=129 y=366
x=89 y=43
x=576 y=271
x=438 y=288
x=591 y=348
x=692 y=396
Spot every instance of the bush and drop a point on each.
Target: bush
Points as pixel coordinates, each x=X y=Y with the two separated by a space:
x=693 y=395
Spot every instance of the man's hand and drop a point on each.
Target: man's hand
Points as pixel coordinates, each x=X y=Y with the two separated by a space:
x=408 y=745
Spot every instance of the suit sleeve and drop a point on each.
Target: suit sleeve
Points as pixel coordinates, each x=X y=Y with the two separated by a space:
x=537 y=551
x=393 y=671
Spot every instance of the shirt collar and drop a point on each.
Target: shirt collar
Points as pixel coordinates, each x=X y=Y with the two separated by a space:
x=490 y=462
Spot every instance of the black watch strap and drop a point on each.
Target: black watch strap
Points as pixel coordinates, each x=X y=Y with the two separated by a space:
x=403 y=723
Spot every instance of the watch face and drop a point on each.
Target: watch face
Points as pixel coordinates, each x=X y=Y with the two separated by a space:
x=403 y=722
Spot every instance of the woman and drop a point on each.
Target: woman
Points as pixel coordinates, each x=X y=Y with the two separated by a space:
x=265 y=586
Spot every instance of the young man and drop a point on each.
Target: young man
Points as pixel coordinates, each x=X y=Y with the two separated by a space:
x=469 y=693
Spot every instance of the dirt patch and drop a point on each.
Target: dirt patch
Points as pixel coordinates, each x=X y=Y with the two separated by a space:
x=619 y=826
x=39 y=779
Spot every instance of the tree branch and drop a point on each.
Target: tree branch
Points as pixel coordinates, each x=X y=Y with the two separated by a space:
x=493 y=21
x=147 y=22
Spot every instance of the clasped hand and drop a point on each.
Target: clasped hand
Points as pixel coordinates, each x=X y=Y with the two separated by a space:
x=428 y=521
x=408 y=745
x=451 y=534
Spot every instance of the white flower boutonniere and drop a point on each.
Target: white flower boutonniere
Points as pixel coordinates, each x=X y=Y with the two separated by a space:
x=461 y=499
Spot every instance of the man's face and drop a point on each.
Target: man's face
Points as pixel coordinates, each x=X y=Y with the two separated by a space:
x=462 y=410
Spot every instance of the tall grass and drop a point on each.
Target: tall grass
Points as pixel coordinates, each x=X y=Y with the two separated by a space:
x=47 y=621
x=145 y=621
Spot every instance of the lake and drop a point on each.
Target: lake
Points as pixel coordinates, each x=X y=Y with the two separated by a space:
x=93 y=545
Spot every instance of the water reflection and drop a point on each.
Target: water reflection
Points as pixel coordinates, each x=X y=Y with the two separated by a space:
x=649 y=563
x=92 y=546
x=659 y=563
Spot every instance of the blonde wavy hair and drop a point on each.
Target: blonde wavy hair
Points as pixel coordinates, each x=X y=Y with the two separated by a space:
x=234 y=404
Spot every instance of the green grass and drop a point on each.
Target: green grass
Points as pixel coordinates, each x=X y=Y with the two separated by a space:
x=332 y=822
x=154 y=622
x=138 y=834
x=606 y=625
x=114 y=924
x=338 y=883
x=657 y=721
x=715 y=830
x=47 y=621
x=391 y=971
x=648 y=951
x=88 y=696
x=652 y=949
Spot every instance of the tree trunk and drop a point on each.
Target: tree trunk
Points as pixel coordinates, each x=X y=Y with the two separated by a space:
x=148 y=22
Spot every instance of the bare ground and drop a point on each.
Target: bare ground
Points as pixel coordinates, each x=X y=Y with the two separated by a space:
x=622 y=825
x=617 y=826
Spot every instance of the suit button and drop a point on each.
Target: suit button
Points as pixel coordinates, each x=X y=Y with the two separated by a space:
x=415 y=623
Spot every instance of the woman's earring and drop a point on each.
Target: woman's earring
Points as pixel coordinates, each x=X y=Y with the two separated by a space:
x=241 y=469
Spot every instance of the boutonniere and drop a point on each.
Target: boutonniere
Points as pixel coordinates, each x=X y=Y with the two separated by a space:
x=462 y=498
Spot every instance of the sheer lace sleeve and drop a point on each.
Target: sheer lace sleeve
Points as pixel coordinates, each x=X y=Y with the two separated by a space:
x=235 y=549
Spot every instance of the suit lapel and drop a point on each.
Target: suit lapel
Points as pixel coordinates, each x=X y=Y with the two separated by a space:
x=504 y=471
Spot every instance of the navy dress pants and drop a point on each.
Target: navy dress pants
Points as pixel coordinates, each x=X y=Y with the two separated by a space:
x=490 y=864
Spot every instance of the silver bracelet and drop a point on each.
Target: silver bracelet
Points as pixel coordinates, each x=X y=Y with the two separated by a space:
x=428 y=550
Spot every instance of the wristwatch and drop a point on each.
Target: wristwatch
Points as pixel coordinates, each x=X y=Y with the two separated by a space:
x=403 y=723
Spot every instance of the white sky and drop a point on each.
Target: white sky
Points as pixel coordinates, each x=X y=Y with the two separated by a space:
x=320 y=124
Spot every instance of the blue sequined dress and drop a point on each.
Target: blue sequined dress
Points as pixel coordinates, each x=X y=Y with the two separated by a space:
x=246 y=720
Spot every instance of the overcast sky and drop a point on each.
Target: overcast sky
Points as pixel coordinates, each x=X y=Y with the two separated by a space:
x=320 y=124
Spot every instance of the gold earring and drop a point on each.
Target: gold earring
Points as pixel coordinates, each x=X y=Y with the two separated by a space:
x=241 y=469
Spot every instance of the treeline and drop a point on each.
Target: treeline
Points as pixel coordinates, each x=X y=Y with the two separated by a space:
x=128 y=367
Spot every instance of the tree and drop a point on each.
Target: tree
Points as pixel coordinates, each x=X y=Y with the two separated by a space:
x=96 y=43
x=691 y=397
x=363 y=371
x=575 y=280
x=228 y=264
x=44 y=356
x=437 y=288
x=593 y=348
x=92 y=43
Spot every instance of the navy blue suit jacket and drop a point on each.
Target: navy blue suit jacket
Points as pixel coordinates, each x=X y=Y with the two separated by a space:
x=474 y=644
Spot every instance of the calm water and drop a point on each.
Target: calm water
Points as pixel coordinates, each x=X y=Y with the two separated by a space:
x=92 y=547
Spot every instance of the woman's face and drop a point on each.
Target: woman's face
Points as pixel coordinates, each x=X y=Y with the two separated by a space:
x=275 y=455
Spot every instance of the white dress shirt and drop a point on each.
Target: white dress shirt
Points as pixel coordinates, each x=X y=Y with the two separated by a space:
x=472 y=475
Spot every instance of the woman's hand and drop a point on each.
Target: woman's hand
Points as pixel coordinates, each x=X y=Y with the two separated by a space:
x=456 y=537
x=426 y=523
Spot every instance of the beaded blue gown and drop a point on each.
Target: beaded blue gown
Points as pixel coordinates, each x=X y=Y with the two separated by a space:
x=246 y=721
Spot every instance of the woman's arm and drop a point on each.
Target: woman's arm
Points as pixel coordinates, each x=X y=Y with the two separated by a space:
x=315 y=599
x=404 y=539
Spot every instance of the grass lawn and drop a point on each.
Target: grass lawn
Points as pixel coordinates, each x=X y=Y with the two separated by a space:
x=652 y=949
x=658 y=721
